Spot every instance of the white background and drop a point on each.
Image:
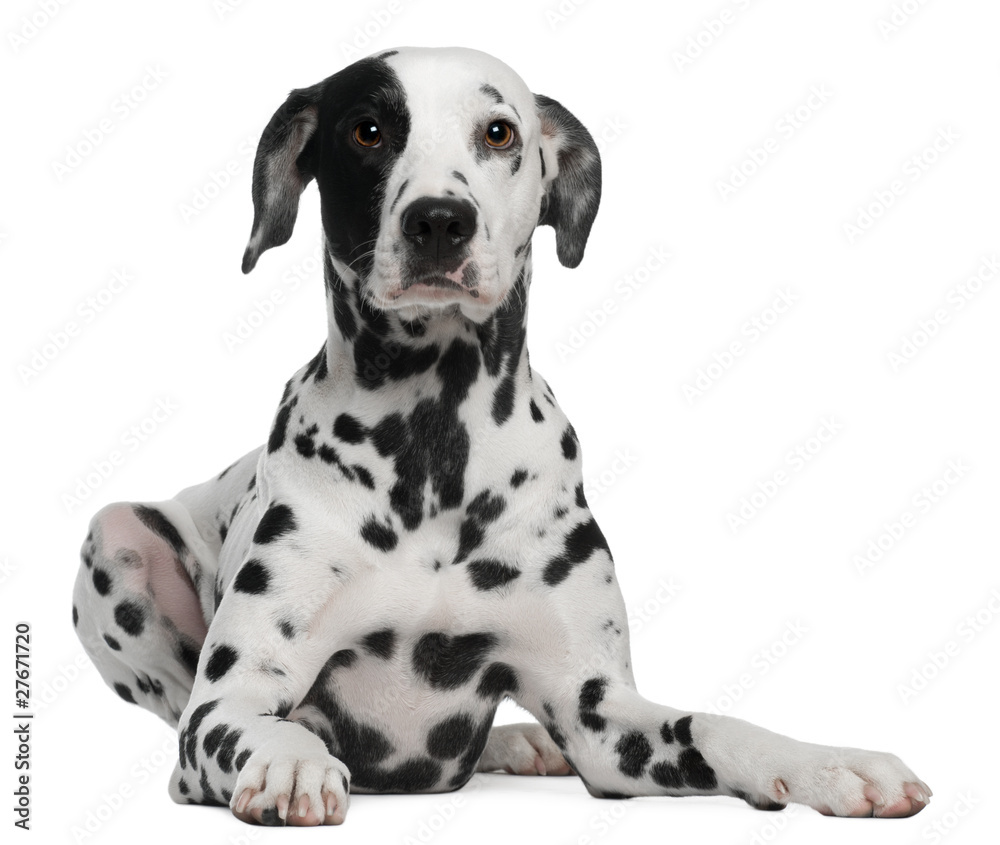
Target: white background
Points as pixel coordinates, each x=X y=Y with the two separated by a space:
x=708 y=604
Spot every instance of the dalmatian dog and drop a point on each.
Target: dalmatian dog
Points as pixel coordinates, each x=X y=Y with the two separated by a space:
x=343 y=609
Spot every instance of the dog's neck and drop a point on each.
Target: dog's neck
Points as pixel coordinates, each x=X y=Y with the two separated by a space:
x=368 y=349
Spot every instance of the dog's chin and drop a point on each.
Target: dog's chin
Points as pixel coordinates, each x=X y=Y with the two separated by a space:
x=430 y=295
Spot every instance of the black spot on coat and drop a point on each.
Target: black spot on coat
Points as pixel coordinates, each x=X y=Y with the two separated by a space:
x=579 y=545
x=222 y=660
x=488 y=574
x=447 y=662
x=102 y=581
x=380 y=643
x=378 y=535
x=447 y=739
x=498 y=679
x=131 y=617
x=277 y=521
x=252 y=578
x=634 y=752
x=125 y=693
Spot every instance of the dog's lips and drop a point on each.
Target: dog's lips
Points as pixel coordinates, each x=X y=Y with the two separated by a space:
x=433 y=287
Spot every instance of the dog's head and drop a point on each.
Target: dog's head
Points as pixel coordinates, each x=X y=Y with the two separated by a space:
x=434 y=166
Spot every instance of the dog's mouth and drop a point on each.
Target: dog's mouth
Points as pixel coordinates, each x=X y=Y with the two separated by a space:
x=435 y=285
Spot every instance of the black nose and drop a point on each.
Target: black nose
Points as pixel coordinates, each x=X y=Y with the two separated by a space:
x=438 y=227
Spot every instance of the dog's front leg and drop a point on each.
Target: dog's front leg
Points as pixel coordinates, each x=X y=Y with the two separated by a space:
x=266 y=645
x=623 y=745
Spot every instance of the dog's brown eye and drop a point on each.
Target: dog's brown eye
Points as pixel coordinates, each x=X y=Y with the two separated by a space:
x=367 y=134
x=499 y=135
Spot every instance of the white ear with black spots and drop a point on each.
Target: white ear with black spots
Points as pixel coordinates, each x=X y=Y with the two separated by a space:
x=571 y=178
x=281 y=172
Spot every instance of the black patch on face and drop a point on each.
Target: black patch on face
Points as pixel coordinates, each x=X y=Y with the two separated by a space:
x=125 y=693
x=634 y=752
x=578 y=546
x=222 y=660
x=541 y=157
x=460 y=176
x=162 y=527
x=682 y=730
x=696 y=772
x=348 y=429
x=498 y=679
x=592 y=694
x=113 y=644
x=489 y=574
x=102 y=581
x=253 y=578
x=351 y=178
x=277 y=521
x=378 y=535
x=380 y=643
x=515 y=162
x=131 y=617
x=449 y=662
x=287 y=631
x=518 y=478
x=568 y=444
x=447 y=739
x=536 y=412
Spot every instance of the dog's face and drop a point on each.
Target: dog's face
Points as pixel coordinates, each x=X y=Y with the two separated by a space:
x=434 y=166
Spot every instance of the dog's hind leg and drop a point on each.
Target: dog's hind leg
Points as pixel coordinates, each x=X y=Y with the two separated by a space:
x=137 y=603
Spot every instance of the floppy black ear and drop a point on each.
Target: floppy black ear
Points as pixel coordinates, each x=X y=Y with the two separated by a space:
x=571 y=176
x=281 y=171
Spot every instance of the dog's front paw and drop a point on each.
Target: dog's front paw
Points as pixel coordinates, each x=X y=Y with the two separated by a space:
x=282 y=785
x=852 y=782
x=523 y=749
